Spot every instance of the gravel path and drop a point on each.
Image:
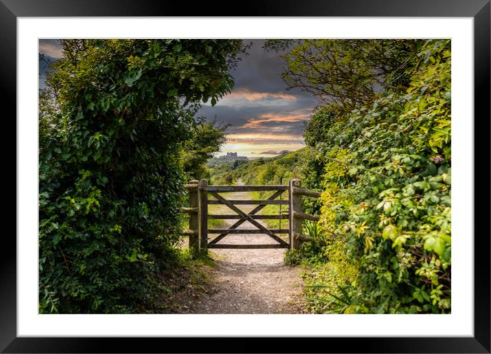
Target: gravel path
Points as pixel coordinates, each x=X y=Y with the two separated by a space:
x=251 y=281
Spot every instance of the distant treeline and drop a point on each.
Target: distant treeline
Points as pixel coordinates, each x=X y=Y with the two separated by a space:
x=261 y=171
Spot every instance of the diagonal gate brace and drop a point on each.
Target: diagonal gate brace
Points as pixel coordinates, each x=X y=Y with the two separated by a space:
x=240 y=222
x=249 y=218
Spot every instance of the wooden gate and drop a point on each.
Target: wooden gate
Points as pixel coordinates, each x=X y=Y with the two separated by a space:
x=198 y=209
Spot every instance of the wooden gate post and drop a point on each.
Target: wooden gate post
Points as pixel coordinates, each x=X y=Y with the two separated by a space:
x=193 y=217
x=295 y=207
x=203 y=214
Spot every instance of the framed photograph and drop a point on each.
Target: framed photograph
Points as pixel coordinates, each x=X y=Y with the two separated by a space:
x=192 y=179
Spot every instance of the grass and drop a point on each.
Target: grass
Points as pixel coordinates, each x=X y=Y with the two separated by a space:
x=216 y=209
x=272 y=209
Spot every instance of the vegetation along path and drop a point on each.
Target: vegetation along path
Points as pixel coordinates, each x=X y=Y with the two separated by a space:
x=251 y=281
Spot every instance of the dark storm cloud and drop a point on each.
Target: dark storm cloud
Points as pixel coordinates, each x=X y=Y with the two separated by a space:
x=260 y=71
x=234 y=116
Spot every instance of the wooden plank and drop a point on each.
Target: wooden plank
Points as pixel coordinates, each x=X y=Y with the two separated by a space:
x=225 y=189
x=256 y=217
x=299 y=215
x=203 y=214
x=295 y=207
x=305 y=238
x=306 y=192
x=248 y=247
x=247 y=231
x=240 y=222
x=251 y=202
x=193 y=219
x=249 y=218
x=190 y=233
x=190 y=210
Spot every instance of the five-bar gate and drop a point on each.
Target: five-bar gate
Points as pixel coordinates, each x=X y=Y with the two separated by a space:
x=198 y=209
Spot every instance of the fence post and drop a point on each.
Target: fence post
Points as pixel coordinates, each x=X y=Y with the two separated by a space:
x=203 y=214
x=295 y=206
x=194 y=218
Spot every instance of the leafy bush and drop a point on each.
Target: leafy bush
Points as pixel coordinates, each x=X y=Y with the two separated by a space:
x=383 y=160
x=387 y=191
x=113 y=122
x=293 y=257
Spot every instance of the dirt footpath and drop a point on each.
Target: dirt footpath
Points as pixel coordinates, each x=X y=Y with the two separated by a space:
x=251 y=281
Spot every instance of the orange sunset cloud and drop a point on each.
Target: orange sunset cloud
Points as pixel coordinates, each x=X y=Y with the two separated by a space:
x=256 y=96
x=290 y=117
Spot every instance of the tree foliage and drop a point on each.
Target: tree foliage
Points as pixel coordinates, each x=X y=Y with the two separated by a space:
x=204 y=140
x=114 y=119
x=346 y=73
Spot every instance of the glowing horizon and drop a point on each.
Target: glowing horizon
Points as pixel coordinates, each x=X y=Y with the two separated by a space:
x=263 y=115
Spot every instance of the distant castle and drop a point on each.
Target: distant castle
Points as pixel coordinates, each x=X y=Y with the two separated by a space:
x=232 y=156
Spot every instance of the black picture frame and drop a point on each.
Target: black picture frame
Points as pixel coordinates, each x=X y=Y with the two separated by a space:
x=10 y=10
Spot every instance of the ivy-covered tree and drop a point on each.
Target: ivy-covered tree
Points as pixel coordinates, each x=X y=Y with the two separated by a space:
x=113 y=122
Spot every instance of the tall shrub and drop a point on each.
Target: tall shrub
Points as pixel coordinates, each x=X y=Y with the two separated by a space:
x=113 y=120
x=396 y=171
x=385 y=159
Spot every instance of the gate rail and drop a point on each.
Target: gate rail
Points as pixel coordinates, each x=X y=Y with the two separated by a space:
x=198 y=215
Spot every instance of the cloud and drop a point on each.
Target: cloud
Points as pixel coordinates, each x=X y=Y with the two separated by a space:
x=269 y=119
x=260 y=103
x=264 y=138
x=256 y=96
x=243 y=98
x=272 y=152
x=51 y=47
x=260 y=71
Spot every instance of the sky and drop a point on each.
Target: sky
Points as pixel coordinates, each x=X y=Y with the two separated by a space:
x=265 y=118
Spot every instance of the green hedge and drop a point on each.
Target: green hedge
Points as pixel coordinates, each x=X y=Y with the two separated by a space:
x=113 y=121
x=386 y=210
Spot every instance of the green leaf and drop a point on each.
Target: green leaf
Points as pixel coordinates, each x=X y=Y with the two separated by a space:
x=172 y=93
x=390 y=231
x=353 y=171
x=429 y=243
x=432 y=169
x=131 y=79
x=439 y=246
x=399 y=241
x=56 y=238
x=446 y=238
x=446 y=200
